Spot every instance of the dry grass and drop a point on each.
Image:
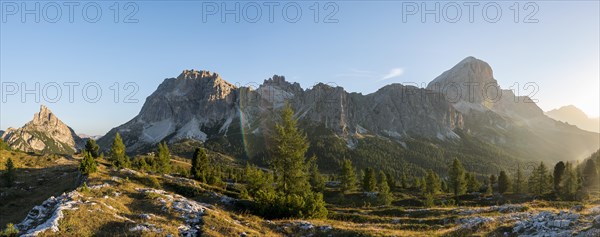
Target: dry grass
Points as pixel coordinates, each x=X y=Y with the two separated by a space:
x=38 y=178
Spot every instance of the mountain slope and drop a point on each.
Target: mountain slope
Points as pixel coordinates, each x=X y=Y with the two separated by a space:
x=573 y=115
x=45 y=133
x=510 y=121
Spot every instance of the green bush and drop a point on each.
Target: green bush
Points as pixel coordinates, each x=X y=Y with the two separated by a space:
x=10 y=230
x=277 y=205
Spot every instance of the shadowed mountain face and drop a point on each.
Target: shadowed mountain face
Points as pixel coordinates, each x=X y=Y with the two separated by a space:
x=573 y=115
x=466 y=100
x=45 y=133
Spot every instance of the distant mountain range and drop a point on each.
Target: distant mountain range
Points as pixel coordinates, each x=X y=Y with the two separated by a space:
x=575 y=116
x=85 y=136
x=395 y=128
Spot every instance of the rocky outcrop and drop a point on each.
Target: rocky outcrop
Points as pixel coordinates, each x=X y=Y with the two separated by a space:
x=45 y=133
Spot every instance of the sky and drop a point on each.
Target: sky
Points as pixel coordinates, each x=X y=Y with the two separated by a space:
x=359 y=45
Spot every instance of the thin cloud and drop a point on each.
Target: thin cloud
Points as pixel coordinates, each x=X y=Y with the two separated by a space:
x=395 y=72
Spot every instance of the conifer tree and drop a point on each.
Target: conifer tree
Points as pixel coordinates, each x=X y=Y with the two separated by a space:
x=348 y=177
x=590 y=175
x=473 y=185
x=404 y=181
x=163 y=159
x=384 y=194
x=493 y=181
x=540 y=181
x=569 y=183
x=288 y=150
x=559 y=170
x=519 y=182
x=92 y=148
x=369 y=181
x=503 y=182
x=294 y=197
x=10 y=175
x=200 y=165
x=118 y=158
x=456 y=179
x=87 y=164
x=317 y=181
x=433 y=183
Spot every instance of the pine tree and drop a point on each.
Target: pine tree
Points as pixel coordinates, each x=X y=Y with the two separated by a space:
x=317 y=181
x=519 y=183
x=433 y=183
x=199 y=165
x=503 y=182
x=92 y=148
x=489 y=190
x=590 y=175
x=348 y=177
x=287 y=155
x=117 y=153
x=384 y=194
x=456 y=179
x=473 y=185
x=559 y=170
x=10 y=175
x=404 y=181
x=369 y=181
x=493 y=181
x=540 y=181
x=390 y=180
x=569 y=183
x=87 y=164
x=163 y=159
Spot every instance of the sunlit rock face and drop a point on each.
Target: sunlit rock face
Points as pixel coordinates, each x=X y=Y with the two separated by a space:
x=44 y=133
x=200 y=104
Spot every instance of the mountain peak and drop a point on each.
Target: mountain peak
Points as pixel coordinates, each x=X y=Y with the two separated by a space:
x=195 y=74
x=44 y=116
x=467 y=81
x=44 y=133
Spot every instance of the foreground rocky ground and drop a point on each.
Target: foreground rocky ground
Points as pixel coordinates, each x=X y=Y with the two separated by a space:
x=131 y=203
x=127 y=202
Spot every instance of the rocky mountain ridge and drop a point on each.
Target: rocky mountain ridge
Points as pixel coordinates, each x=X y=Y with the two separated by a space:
x=200 y=105
x=44 y=133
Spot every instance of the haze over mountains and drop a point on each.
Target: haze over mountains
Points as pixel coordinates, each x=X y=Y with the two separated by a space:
x=575 y=116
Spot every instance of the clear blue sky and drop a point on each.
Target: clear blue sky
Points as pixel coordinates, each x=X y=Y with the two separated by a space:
x=560 y=52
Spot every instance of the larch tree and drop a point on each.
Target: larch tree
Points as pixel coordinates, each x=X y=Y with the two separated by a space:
x=348 y=177
x=456 y=179
x=287 y=155
x=118 y=158
x=370 y=180
x=200 y=165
